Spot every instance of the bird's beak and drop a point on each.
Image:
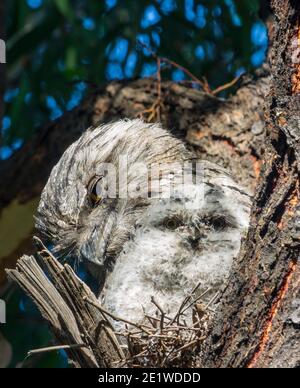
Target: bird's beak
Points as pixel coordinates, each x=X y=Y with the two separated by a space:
x=95 y=240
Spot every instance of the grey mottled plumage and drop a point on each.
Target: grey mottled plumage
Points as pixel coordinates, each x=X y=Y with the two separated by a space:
x=143 y=246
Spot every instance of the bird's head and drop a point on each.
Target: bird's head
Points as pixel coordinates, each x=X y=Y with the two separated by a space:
x=85 y=208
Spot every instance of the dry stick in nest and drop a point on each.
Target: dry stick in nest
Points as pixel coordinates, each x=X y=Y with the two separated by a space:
x=162 y=319
x=185 y=301
x=54 y=348
x=169 y=342
x=49 y=349
x=115 y=318
x=165 y=340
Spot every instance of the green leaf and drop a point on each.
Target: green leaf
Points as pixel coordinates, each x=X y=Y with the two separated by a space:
x=65 y=8
x=71 y=58
x=27 y=41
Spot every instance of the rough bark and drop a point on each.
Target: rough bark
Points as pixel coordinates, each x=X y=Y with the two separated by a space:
x=229 y=132
x=258 y=323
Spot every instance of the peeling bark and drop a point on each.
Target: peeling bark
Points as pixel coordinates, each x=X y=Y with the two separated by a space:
x=258 y=323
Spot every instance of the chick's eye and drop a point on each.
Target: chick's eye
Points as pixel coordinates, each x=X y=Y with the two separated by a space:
x=95 y=191
x=172 y=223
x=221 y=223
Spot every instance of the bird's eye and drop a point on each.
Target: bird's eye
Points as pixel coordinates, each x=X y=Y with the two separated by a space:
x=172 y=223
x=221 y=222
x=95 y=190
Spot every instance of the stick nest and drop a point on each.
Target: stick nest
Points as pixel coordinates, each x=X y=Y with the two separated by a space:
x=87 y=331
x=162 y=341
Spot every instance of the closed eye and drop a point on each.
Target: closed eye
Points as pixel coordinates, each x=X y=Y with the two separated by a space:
x=221 y=222
x=172 y=222
x=218 y=222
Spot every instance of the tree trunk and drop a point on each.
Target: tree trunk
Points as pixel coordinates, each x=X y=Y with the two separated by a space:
x=258 y=322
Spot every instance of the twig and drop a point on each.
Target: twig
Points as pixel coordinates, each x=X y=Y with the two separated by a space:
x=185 y=301
x=204 y=85
x=196 y=300
x=186 y=346
x=212 y=300
x=228 y=85
x=162 y=319
x=155 y=110
x=55 y=348
x=104 y=311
